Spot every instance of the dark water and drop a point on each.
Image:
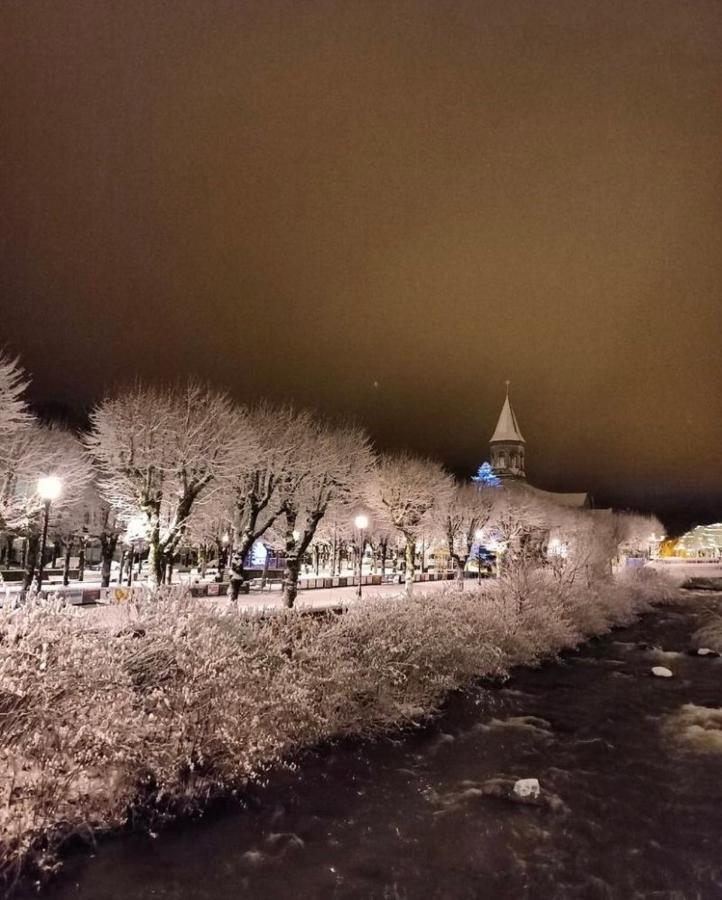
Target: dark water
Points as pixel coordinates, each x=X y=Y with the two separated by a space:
x=627 y=812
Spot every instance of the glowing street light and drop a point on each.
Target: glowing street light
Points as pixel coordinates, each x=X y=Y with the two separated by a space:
x=49 y=488
x=362 y=523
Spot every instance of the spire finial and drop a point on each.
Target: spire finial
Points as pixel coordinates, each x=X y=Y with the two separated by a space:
x=507 y=383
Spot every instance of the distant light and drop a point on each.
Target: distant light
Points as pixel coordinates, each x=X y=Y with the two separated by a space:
x=50 y=487
x=296 y=534
x=361 y=522
x=226 y=538
x=137 y=528
x=556 y=548
x=479 y=535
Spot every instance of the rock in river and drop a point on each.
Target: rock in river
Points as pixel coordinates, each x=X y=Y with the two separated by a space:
x=662 y=672
x=527 y=788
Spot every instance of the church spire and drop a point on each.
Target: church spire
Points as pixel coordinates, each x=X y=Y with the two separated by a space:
x=507 y=443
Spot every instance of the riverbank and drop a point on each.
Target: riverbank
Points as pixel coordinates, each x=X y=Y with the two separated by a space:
x=629 y=806
x=182 y=705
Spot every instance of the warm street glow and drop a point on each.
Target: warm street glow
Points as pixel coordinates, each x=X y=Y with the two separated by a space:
x=361 y=522
x=137 y=528
x=50 y=487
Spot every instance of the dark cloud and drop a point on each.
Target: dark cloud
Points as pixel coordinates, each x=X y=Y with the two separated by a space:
x=305 y=199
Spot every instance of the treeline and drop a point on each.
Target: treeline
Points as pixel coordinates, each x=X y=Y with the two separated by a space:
x=187 y=469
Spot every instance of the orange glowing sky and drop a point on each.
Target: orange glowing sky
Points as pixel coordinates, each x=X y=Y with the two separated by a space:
x=383 y=209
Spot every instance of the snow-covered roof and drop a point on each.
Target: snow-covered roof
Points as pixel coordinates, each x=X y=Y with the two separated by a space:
x=507 y=428
x=703 y=537
x=575 y=500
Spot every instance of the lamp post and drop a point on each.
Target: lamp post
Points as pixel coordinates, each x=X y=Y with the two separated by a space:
x=224 y=555
x=49 y=489
x=362 y=523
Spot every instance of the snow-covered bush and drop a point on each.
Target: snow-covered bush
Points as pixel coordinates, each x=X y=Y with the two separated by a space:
x=104 y=720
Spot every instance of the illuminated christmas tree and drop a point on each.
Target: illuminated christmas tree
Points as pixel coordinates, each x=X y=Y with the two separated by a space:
x=486 y=477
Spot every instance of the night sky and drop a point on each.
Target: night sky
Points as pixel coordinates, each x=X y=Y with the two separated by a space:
x=383 y=209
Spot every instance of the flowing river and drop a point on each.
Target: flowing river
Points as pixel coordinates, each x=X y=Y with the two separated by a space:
x=630 y=768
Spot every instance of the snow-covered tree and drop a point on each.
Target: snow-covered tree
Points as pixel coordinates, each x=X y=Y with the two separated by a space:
x=328 y=466
x=14 y=421
x=404 y=490
x=209 y=530
x=13 y=411
x=520 y=521
x=466 y=511
x=34 y=452
x=270 y=474
x=93 y=520
x=161 y=451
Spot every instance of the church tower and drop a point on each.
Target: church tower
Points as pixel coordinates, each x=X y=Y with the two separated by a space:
x=507 y=444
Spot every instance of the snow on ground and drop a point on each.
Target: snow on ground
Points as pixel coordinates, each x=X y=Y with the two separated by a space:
x=118 y=615
x=687 y=568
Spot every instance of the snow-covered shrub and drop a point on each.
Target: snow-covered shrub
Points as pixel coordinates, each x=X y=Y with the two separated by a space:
x=166 y=702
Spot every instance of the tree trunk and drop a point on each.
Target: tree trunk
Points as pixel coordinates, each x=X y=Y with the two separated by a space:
x=155 y=560
x=32 y=543
x=107 y=551
x=66 y=563
x=296 y=550
x=410 y=565
x=81 y=558
x=221 y=551
x=264 y=574
x=293 y=562
x=290 y=579
x=156 y=551
x=460 y=567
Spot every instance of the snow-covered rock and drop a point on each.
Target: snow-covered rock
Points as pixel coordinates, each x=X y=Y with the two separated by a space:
x=662 y=672
x=527 y=788
x=706 y=651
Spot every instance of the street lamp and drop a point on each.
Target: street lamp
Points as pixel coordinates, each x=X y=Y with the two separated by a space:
x=362 y=523
x=49 y=489
x=224 y=555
